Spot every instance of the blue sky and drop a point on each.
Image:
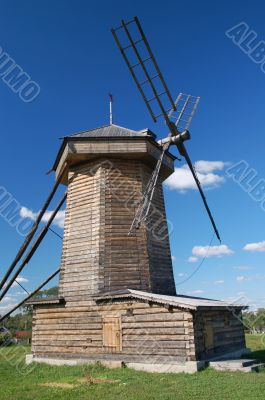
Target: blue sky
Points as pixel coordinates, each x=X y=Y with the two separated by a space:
x=67 y=48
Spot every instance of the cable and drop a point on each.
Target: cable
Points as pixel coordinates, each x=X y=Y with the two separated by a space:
x=199 y=266
x=55 y=233
x=22 y=287
x=31 y=294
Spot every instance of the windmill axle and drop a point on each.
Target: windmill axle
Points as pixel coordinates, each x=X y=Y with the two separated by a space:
x=180 y=138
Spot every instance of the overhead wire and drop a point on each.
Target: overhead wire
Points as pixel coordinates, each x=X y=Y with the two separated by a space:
x=199 y=266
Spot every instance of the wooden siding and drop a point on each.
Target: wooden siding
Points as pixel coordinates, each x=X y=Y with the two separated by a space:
x=150 y=333
x=217 y=332
x=90 y=149
x=98 y=255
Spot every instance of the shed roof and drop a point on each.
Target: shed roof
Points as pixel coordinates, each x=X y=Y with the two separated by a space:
x=186 y=302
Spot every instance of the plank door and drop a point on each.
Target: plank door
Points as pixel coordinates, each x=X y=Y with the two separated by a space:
x=112 y=335
x=208 y=335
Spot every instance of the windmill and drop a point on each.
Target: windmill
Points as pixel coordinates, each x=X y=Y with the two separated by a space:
x=117 y=300
x=146 y=73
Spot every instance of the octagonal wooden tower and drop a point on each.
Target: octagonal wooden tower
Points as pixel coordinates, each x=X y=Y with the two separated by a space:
x=117 y=300
x=108 y=171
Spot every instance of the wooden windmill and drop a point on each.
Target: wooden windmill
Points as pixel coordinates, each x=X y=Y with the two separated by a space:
x=117 y=301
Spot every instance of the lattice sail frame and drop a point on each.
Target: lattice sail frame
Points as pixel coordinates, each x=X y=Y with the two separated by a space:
x=185 y=107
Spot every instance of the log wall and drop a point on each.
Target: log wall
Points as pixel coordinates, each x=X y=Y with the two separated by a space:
x=218 y=332
x=150 y=333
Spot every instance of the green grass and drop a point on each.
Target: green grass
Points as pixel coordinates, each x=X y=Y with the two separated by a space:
x=19 y=382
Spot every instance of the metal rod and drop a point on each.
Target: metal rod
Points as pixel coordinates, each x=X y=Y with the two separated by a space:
x=33 y=230
x=110 y=109
x=34 y=247
x=30 y=295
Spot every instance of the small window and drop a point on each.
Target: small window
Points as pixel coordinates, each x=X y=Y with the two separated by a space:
x=112 y=337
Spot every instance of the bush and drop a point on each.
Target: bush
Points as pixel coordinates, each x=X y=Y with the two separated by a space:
x=5 y=339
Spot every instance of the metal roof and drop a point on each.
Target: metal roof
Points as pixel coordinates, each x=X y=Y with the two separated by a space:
x=45 y=300
x=112 y=131
x=186 y=302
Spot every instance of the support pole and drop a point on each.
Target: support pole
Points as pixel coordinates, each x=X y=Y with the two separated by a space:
x=33 y=230
x=34 y=247
x=30 y=295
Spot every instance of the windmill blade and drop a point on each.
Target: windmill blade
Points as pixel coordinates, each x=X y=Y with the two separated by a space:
x=186 y=106
x=184 y=154
x=162 y=99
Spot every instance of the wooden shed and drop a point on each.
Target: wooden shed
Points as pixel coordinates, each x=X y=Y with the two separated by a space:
x=117 y=299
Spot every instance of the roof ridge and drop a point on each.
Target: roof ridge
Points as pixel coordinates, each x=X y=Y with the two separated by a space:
x=89 y=130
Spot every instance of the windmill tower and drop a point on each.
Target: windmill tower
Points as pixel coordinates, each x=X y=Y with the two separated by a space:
x=108 y=169
x=117 y=302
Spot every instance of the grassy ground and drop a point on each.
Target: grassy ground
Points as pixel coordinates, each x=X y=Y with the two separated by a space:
x=42 y=382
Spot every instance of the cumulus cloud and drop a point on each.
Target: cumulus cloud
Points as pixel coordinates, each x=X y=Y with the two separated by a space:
x=183 y=180
x=20 y=279
x=192 y=259
x=258 y=246
x=220 y=282
x=211 y=251
x=58 y=220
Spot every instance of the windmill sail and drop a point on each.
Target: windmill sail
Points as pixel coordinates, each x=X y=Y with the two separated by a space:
x=154 y=84
x=140 y=60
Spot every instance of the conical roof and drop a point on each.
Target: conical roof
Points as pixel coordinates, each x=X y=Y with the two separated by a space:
x=112 y=131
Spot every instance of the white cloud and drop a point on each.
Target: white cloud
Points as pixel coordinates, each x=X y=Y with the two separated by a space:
x=192 y=259
x=243 y=267
x=256 y=277
x=242 y=278
x=211 y=251
x=58 y=220
x=220 y=282
x=182 y=274
x=26 y=213
x=8 y=299
x=259 y=246
x=183 y=180
x=5 y=309
x=173 y=258
x=20 y=279
x=198 y=291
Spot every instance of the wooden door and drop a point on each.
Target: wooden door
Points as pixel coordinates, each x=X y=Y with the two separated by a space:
x=208 y=335
x=112 y=337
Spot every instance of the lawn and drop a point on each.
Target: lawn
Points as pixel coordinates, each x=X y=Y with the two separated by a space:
x=42 y=382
